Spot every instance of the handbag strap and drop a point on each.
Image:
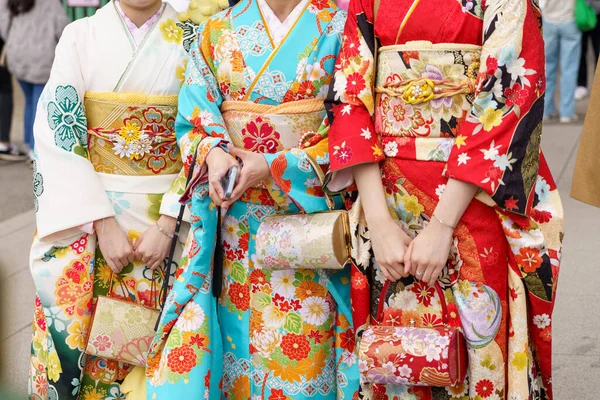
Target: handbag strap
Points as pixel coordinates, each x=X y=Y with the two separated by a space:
x=218 y=258
x=321 y=176
x=438 y=288
x=165 y=285
x=126 y=291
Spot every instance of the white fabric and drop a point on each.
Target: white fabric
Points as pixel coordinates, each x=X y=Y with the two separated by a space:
x=158 y=184
x=558 y=11
x=278 y=29
x=94 y=55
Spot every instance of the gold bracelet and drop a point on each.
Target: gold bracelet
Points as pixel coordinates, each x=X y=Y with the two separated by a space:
x=443 y=223
x=161 y=230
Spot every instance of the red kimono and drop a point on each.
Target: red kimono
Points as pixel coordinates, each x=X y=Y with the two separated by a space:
x=459 y=93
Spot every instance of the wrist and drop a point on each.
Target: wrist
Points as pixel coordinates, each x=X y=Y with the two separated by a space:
x=379 y=219
x=101 y=223
x=214 y=152
x=440 y=226
x=167 y=222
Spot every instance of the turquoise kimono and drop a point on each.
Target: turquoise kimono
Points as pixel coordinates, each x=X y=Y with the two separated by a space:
x=274 y=333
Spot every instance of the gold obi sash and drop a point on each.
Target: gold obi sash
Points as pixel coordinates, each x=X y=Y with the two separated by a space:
x=424 y=93
x=131 y=141
x=268 y=129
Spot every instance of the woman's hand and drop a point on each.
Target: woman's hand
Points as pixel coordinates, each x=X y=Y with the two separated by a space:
x=254 y=171
x=428 y=253
x=389 y=246
x=114 y=244
x=219 y=163
x=152 y=247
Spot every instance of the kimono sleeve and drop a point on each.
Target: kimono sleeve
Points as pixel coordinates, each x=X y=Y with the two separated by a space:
x=352 y=138
x=293 y=174
x=199 y=125
x=67 y=191
x=498 y=146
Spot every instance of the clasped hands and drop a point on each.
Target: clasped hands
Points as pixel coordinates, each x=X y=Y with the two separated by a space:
x=151 y=248
x=399 y=256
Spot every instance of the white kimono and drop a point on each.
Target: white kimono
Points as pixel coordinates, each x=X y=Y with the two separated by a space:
x=105 y=147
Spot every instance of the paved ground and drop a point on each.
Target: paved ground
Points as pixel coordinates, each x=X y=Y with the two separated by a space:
x=577 y=317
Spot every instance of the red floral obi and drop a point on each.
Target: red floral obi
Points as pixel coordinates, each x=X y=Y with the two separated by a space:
x=424 y=93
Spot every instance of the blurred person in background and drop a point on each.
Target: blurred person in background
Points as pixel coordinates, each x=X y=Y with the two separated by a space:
x=594 y=36
x=7 y=151
x=563 y=44
x=31 y=29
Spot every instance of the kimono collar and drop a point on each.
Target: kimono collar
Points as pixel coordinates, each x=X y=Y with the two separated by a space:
x=138 y=34
x=277 y=28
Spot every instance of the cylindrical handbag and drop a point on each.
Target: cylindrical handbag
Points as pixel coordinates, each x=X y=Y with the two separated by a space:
x=413 y=356
x=305 y=241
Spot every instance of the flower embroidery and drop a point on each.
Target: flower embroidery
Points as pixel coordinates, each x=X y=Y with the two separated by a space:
x=266 y=341
x=342 y=153
x=295 y=347
x=171 y=32
x=315 y=311
x=541 y=321
x=260 y=136
x=355 y=84
x=181 y=359
x=351 y=46
x=283 y=282
x=529 y=259
x=191 y=318
x=424 y=293
x=240 y=296
x=102 y=343
x=67 y=119
x=77 y=335
x=308 y=289
x=411 y=204
x=515 y=95
x=54 y=368
x=484 y=388
x=491 y=119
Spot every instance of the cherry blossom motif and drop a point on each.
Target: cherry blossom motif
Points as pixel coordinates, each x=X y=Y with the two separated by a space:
x=260 y=136
x=102 y=343
x=516 y=95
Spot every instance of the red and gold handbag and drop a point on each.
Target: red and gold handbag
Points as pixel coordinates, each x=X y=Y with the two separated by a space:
x=414 y=356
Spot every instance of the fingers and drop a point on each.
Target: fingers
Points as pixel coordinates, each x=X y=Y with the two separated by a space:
x=116 y=268
x=391 y=272
x=408 y=265
x=427 y=273
x=435 y=275
x=386 y=273
x=214 y=196
x=234 y=151
x=155 y=265
x=215 y=190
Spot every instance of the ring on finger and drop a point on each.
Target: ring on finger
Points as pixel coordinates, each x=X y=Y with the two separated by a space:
x=419 y=273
